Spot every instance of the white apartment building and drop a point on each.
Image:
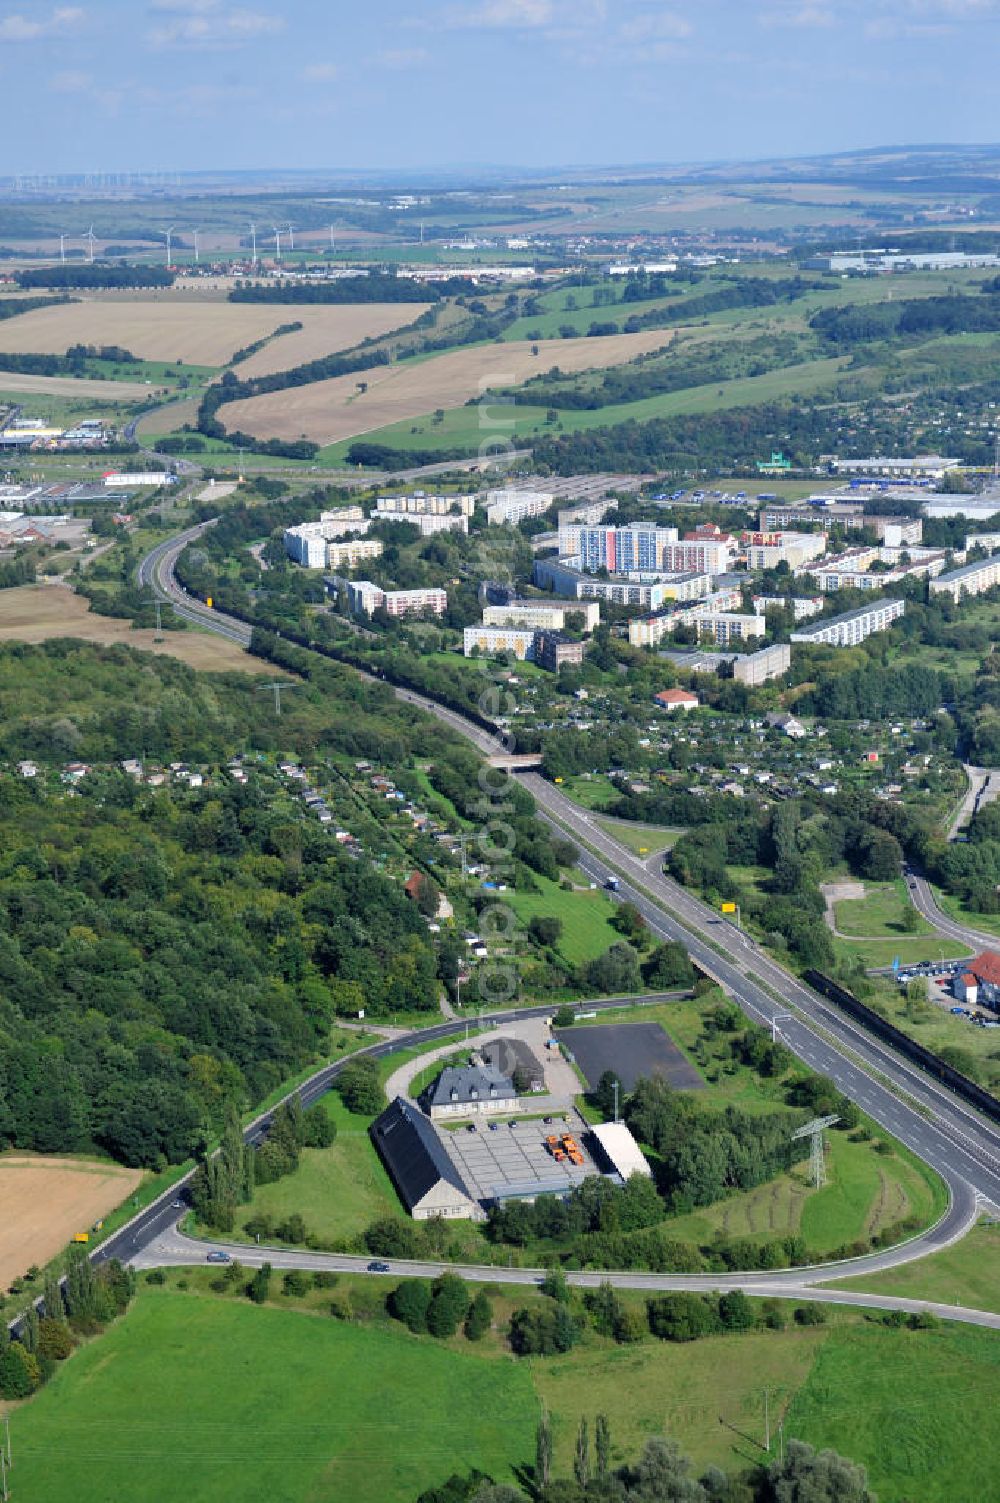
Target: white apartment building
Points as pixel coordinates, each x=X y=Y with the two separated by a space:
x=802 y=606
x=365 y=598
x=586 y=513
x=726 y=626
x=306 y=543
x=426 y=523
x=511 y=506
x=491 y=640
x=647 y=631
x=768 y=550
x=700 y=555
x=423 y=504
x=563 y=579
x=755 y=668
x=853 y=627
x=351 y=552
x=538 y=613
x=853 y=570
x=988 y=541
x=971 y=579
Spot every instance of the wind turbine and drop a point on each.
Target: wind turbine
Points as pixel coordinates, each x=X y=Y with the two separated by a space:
x=253 y=244
x=277 y=242
x=168 y=232
x=195 y=233
x=333 y=239
x=62 y=247
x=89 y=237
x=291 y=236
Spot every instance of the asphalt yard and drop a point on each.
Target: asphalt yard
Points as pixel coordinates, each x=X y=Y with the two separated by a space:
x=631 y=1050
x=515 y=1160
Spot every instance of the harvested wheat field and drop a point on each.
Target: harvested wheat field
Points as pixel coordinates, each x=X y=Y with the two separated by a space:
x=325 y=331
x=199 y=333
x=328 y=411
x=69 y=386
x=37 y=613
x=46 y=1201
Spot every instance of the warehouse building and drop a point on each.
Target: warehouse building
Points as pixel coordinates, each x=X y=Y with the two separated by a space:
x=852 y=627
x=617 y=1152
x=425 y=1178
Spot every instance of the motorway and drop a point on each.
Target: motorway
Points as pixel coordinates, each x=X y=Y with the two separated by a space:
x=952 y=1138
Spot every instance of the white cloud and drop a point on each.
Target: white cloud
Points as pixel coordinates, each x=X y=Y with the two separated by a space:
x=401 y=58
x=663 y=26
x=70 y=82
x=503 y=15
x=321 y=72
x=207 y=24
x=807 y=17
x=16 y=28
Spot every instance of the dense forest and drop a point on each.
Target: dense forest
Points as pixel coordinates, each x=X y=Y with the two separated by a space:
x=377 y=287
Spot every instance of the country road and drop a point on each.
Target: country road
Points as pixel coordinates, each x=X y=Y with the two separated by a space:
x=962 y=1146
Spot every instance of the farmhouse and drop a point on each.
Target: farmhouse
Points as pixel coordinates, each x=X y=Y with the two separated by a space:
x=425 y=1177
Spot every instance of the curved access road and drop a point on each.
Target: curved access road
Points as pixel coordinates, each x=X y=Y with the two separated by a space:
x=174 y=1249
x=923 y=899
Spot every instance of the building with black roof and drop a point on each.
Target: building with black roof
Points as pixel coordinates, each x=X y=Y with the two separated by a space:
x=425 y=1178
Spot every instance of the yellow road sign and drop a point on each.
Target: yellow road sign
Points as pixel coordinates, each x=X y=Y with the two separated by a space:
x=729 y=907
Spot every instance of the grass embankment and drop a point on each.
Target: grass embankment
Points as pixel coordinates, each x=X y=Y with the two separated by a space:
x=225 y=1401
x=584 y=914
x=880 y=914
x=967 y=1273
x=642 y=840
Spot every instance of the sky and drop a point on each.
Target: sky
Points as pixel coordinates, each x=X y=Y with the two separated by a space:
x=185 y=85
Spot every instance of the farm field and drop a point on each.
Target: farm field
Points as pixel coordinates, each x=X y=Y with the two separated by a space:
x=74 y=386
x=47 y=1200
x=198 y=333
x=461 y=427
x=328 y=411
x=37 y=613
x=326 y=330
x=290 y=1405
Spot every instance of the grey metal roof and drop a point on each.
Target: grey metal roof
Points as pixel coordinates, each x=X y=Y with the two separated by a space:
x=505 y=1055
x=413 y=1153
x=467 y=1083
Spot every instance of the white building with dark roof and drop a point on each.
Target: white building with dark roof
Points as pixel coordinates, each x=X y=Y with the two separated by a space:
x=418 y=1164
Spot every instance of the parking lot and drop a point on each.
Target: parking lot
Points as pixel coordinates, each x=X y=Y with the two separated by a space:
x=511 y=1158
x=631 y=1050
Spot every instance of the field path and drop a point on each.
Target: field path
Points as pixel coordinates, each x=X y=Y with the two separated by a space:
x=329 y=411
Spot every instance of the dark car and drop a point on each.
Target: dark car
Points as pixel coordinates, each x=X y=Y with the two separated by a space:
x=376 y=1267
x=219 y=1257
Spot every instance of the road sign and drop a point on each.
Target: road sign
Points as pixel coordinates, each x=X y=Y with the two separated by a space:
x=729 y=907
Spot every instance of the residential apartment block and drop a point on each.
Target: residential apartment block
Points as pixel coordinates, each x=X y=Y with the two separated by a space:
x=852 y=627
x=306 y=543
x=352 y=551
x=364 y=598
x=755 y=668
x=423 y=504
x=539 y=613
x=971 y=579
x=507 y=507
x=426 y=523
x=803 y=606
x=766 y=550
